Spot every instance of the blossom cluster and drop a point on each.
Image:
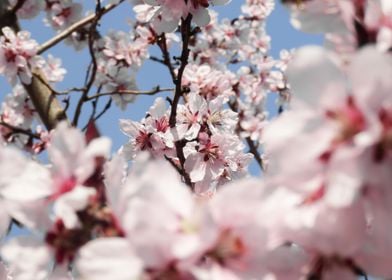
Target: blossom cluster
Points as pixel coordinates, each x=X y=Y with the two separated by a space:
x=213 y=154
x=18 y=55
x=223 y=105
x=16 y=111
x=165 y=15
x=332 y=178
x=177 y=201
x=63 y=202
x=336 y=189
x=118 y=54
x=348 y=24
x=60 y=14
x=18 y=58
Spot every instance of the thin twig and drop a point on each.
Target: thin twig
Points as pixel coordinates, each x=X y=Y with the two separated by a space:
x=253 y=149
x=92 y=29
x=156 y=59
x=356 y=269
x=131 y=92
x=166 y=56
x=66 y=101
x=107 y=107
x=175 y=166
x=94 y=105
x=19 y=130
x=104 y=110
x=68 y=91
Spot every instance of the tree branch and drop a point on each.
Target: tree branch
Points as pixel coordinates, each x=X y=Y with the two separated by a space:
x=18 y=130
x=131 y=92
x=186 y=33
x=253 y=149
x=98 y=14
x=166 y=56
x=44 y=101
x=64 y=34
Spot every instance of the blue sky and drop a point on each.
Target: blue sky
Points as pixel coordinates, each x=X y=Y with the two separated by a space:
x=152 y=74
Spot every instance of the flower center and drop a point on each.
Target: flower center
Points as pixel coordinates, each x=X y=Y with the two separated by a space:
x=230 y=246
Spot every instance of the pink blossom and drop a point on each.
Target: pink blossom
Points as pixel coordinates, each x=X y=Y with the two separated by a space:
x=30 y=8
x=119 y=55
x=18 y=55
x=4 y=272
x=190 y=116
x=334 y=180
x=17 y=110
x=242 y=248
x=27 y=258
x=35 y=187
x=186 y=232
x=117 y=255
x=215 y=157
x=125 y=49
x=322 y=16
x=115 y=79
x=61 y=14
x=73 y=162
x=220 y=120
x=208 y=82
x=258 y=8
x=22 y=183
x=377 y=19
x=169 y=12
x=153 y=134
x=52 y=69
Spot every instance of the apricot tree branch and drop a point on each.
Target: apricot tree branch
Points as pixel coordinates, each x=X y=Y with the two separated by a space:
x=130 y=92
x=74 y=27
x=186 y=33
